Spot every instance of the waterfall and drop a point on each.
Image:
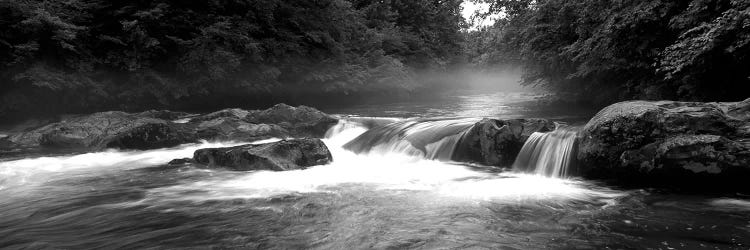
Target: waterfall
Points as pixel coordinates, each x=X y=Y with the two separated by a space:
x=548 y=154
x=433 y=139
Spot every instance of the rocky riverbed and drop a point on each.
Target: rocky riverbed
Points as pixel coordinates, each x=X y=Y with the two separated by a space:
x=642 y=143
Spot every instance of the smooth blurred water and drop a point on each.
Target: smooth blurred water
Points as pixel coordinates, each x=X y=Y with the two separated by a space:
x=382 y=200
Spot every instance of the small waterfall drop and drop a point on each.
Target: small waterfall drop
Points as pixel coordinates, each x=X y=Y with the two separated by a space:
x=433 y=139
x=548 y=154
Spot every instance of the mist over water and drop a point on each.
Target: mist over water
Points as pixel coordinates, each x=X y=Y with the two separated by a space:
x=383 y=197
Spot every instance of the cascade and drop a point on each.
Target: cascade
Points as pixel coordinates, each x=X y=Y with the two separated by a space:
x=433 y=139
x=548 y=154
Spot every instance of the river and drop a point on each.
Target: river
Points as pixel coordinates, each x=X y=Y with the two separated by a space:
x=382 y=200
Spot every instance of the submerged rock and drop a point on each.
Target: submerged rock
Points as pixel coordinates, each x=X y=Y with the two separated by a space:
x=497 y=142
x=277 y=156
x=667 y=142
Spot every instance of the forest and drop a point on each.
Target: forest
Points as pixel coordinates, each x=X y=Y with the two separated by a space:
x=609 y=50
x=63 y=56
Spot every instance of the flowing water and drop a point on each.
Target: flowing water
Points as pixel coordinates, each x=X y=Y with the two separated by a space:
x=393 y=187
x=548 y=154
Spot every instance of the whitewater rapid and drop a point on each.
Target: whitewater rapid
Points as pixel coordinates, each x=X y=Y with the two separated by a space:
x=387 y=198
x=379 y=170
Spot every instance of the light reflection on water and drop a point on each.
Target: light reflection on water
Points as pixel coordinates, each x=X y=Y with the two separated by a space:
x=507 y=105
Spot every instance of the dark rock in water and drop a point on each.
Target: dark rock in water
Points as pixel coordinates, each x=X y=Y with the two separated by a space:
x=666 y=142
x=277 y=156
x=497 y=142
x=181 y=161
x=232 y=128
x=106 y=130
x=301 y=121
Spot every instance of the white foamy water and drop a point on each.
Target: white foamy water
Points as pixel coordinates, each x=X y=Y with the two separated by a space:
x=383 y=171
x=547 y=154
x=40 y=169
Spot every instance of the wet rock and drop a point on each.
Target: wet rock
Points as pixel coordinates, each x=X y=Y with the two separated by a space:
x=277 y=156
x=106 y=130
x=232 y=128
x=224 y=113
x=666 y=142
x=278 y=121
x=300 y=121
x=181 y=161
x=737 y=110
x=156 y=129
x=690 y=154
x=6 y=144
x=497 y=142
x=163 y=114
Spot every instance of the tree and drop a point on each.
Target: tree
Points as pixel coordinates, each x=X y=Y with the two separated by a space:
x=616 y=49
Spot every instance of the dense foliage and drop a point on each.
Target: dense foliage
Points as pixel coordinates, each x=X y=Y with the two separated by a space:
x=83 y=55
x=608 y=50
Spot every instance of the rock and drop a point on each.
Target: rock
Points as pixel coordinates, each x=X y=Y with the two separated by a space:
x=665 y=142
x=497 y=142
x=181 y=161
x=278 y=121
x=6 y=144
x=163 y=114
x=106 y=130
x=301 y=121
x=737 y=110
x=232 y=128
x=277 y=156
x=156 y=129
x=694 y=154
x=224 y=113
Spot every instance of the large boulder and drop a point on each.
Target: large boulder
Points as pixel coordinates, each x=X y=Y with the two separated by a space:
x=496 y=142
x=666 y=142
x=300 y=121
x=157 y=129
x=280 y=120
x=277 y=156
x=232 y=128
x=106 y=130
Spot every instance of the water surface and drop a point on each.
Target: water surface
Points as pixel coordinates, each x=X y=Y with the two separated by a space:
x=383 y=199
